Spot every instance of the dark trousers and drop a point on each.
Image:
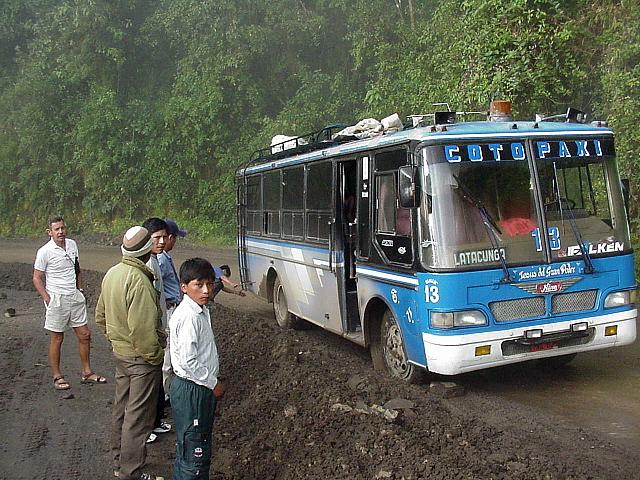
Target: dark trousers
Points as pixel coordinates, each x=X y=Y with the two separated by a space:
x=193 y=408
x=134 y=409
x=159 y=408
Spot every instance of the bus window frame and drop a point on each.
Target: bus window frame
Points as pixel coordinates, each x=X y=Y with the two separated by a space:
x=256 y=213
x=268 y=213
x=328 y=212
x=376 y=234
x=293 y=211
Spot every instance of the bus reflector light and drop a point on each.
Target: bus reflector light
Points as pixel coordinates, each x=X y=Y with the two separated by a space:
x=529 y=334
x=483 y=350
x=610 y=330
x=579 y=327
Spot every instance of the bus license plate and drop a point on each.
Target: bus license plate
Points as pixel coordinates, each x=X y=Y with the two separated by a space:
x=544 y=346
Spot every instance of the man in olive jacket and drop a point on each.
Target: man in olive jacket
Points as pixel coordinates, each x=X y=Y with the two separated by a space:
x=128 y=313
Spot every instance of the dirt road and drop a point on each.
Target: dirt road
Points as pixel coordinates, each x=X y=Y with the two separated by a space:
x=307 y=405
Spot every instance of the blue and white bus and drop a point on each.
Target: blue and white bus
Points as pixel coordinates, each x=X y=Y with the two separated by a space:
x=447 y=247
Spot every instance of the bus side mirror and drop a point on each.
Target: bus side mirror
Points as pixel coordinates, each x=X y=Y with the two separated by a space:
x=626 y=193
x=408 y=191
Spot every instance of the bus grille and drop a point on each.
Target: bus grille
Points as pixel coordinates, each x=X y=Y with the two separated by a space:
x=518 y=309
x=574 y=301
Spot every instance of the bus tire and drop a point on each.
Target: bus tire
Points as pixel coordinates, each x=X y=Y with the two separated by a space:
x=284 y=317
x=554 y=363
x=388 y=352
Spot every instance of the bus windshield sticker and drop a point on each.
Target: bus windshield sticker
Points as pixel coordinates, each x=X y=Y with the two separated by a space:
x=574 y=148
x=475 y=257
x=568 y=268
x=515 y=151
x=597 y=248
x=492 y=152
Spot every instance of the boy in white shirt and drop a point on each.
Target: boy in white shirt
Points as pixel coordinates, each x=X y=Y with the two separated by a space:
x=195 y=388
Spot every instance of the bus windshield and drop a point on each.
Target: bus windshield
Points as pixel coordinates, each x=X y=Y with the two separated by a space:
x=473 y=212
x=583 y=204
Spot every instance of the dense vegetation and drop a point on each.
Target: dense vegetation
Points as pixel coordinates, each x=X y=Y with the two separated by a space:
x=114 y=110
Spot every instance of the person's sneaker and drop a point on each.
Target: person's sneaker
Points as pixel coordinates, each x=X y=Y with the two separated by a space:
x=164 y=427
x=152 y=438
x=116 y=473
x=148 y=476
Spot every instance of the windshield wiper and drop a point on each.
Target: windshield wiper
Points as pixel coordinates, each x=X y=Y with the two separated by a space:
x=490 y=225
x=572 y=221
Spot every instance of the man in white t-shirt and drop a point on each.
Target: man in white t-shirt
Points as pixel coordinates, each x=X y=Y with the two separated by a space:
x=58 y=280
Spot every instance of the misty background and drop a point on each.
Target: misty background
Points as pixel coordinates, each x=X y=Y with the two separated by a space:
x=114 y=111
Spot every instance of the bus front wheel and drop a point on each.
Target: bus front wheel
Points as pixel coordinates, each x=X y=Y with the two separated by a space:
x=388 y=352
x=284 y=317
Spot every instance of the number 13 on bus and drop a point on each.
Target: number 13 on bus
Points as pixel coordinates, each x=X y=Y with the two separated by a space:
x=445 y=246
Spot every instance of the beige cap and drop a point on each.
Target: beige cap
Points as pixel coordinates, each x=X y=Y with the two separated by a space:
x=136 y=242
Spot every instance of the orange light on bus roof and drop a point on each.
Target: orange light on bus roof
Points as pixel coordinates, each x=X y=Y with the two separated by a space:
x=500 y=111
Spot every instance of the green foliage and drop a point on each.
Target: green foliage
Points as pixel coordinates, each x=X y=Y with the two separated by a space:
x=115 y=109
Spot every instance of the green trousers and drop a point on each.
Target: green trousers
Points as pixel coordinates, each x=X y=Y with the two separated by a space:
x=193 y=408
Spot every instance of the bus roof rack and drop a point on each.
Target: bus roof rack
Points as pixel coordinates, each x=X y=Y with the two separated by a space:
x=439 y=117
x=308 y=142
x=572 y=115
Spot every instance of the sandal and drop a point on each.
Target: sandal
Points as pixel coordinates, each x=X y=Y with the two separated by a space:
x=93 y=378
x=59 y=383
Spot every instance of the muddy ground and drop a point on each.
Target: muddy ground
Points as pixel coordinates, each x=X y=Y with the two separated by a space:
x=299 y=404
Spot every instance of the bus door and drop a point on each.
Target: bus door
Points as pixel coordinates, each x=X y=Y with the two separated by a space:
x=385 y=252
x=345 y=243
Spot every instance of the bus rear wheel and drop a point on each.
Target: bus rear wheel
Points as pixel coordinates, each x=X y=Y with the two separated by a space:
x=388 y=352
x=284 y=317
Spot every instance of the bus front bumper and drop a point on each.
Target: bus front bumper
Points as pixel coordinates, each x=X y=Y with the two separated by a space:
x=454 y=354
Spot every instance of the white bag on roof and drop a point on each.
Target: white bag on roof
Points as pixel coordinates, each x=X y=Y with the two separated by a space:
x=392 y=123
x=280 y=143
x=370 y=127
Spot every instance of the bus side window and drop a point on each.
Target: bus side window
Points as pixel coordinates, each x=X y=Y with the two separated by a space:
x=271 y=201
x=391 y=217
x=403 y=221
x=386 y=215
x=293 y=202
x=254 y=204
x=318 y=208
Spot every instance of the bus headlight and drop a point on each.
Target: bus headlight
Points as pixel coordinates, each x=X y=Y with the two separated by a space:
x=469 y=318
x=465 y=318
x=617 y=299
x=442 y=319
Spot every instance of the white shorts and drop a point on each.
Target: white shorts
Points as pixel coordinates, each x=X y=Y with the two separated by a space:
x=65 y=311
